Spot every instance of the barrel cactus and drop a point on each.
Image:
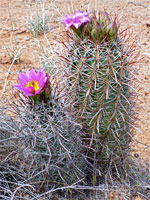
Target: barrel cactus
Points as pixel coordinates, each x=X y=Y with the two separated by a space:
x=46 y=134
x=99 y=69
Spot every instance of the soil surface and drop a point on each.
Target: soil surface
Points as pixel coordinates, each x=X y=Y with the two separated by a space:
x=28 y=48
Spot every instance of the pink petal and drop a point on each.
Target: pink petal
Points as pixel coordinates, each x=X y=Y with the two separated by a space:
x=42 y=82
x=78 y=14
x=69 y=25
x=84 y=19
x=81 y=14
x=40 y=74
x=38 y=91
x=77 y=25
x=26 y=91
x=18 y=86
x=23 y=78
x=32 y=75
x=65 y=18
x=22 y=81
x=29 y=90
x=29 y=94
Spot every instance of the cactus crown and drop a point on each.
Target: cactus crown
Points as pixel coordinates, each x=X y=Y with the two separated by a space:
x=99 y=28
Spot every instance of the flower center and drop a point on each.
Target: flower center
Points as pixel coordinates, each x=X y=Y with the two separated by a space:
x=34 y=84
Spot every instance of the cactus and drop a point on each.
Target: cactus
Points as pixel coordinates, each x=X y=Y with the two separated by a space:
x=99 y=67
x=48 y=139
x=55 y=141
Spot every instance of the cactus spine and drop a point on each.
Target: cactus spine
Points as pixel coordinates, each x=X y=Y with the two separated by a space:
x=49 y=140
x=99 y=68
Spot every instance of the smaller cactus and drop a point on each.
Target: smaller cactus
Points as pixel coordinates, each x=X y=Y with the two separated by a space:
x=53 y=143
x=48 y=139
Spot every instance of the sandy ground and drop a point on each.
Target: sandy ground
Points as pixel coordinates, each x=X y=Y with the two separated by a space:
x=14 y=16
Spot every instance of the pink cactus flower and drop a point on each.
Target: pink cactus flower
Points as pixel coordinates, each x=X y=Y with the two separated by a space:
x=31 y=83
x=76 y=19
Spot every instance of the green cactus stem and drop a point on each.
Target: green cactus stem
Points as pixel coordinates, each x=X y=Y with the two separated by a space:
x=99 y=67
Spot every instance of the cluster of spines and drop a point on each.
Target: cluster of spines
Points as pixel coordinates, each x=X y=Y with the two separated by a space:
x=48 y=139
x=100 y=76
